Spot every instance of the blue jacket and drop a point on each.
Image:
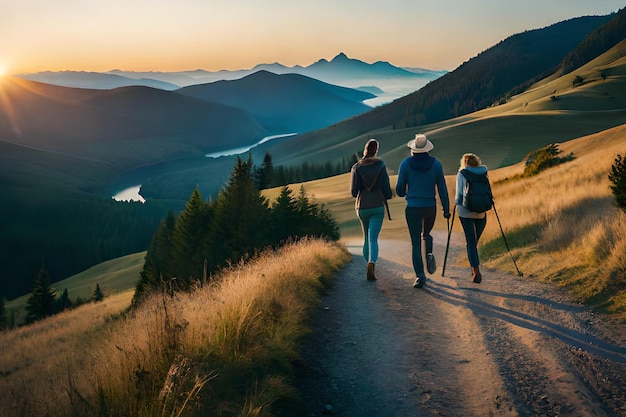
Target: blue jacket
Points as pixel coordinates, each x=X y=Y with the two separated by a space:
x=417 y=177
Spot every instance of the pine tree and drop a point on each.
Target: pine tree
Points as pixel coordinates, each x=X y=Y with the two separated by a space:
x=265 y=173
x=286 y=218
x=156 y=265
x=317 y=221
x=190 y=246
x=617 y=176
x=41 y=302
x=63 y=302
x=97 y=294
x=241 y=221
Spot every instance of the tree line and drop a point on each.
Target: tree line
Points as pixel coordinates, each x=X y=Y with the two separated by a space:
x=201 y=239
x=67 y=233
x=207 y=236
x=267 y=175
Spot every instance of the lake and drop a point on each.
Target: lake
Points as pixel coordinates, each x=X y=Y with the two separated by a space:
x=132 y=193
x=239 y=151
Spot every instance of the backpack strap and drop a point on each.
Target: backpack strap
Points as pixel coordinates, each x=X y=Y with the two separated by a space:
x=371 y=187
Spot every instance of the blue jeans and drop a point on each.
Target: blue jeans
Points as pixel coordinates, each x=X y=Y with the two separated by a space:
x=371 y=223
x=420 y=221
x=473 y=229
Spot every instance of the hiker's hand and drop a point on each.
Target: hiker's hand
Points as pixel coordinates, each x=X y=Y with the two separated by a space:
x=446 y=215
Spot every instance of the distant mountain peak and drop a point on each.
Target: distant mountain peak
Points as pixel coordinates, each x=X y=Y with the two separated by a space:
x=275 y=66
x=342 y=58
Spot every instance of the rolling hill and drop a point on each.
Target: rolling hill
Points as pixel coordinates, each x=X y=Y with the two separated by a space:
x=483 y=81
x=493 y=75
x=108 y=124
x=288 y=103
x=65 y=151
x=94 y=80
x=102 y=134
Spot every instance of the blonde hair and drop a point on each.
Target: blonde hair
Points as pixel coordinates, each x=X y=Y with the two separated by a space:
x=371 y=147
x=469 y=160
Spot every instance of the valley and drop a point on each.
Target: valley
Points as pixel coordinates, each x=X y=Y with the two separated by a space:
x=547 y=342
x=88 y=144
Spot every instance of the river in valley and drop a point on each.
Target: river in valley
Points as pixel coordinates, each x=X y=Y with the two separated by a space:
x=131 y=193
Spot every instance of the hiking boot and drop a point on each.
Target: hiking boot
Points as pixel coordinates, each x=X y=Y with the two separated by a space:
x=370 y=271
x=419 y=282
x=431 y=265
x=476 y=275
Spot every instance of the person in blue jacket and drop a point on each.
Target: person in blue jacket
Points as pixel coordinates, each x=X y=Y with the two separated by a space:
x=369 y=184
x=418 y=176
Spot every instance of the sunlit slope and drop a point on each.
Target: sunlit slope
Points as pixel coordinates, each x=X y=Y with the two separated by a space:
x=597 y=150
x=116 y=276
x=553 y=110
x=562 y=225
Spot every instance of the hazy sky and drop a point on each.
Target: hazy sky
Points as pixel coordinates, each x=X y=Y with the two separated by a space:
x=174 y=35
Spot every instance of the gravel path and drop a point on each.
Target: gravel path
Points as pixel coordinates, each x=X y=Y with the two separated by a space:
x=506 y=347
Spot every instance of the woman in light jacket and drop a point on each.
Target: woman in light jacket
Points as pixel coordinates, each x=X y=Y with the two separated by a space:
x=369 y=184
x=473 y=223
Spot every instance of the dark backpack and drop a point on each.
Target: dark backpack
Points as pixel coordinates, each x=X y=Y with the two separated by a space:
x=477 y=195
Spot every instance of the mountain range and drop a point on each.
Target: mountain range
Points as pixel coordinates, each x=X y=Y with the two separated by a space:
x=64 y=145
x=200 y=119
x=341 y=70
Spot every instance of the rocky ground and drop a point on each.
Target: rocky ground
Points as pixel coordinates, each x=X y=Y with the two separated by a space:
x=506 y=347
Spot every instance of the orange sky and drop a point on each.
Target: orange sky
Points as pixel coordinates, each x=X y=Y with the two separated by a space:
x=160 y=35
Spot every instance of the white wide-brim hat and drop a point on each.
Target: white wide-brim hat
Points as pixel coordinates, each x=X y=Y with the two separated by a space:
x=420 y=144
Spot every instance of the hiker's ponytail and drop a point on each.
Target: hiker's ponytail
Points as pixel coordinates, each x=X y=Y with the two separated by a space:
x=371 y=147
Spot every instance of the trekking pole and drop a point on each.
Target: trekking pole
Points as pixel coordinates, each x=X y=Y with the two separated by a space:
x=445 y=258
x=505 y=242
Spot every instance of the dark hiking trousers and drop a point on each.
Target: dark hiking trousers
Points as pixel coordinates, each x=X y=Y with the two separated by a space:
x=420 y=221
x=473 y=229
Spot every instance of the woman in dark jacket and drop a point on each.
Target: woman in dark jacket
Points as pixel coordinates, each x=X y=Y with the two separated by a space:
x=370 y=186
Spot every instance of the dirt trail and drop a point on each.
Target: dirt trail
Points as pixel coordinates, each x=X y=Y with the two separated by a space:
x=506 y=347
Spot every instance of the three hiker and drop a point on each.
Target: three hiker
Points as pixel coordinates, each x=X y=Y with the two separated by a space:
x=420 y=180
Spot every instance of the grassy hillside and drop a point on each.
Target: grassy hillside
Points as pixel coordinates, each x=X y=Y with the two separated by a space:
x=553 y=110
x=221 y=349
x=563 y=225
x=117 y=276
x=565 y=213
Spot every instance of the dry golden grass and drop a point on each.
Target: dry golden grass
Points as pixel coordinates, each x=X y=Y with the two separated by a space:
x=562 y=224
x=566 y=222
x=225 y=347
x=37 y=361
